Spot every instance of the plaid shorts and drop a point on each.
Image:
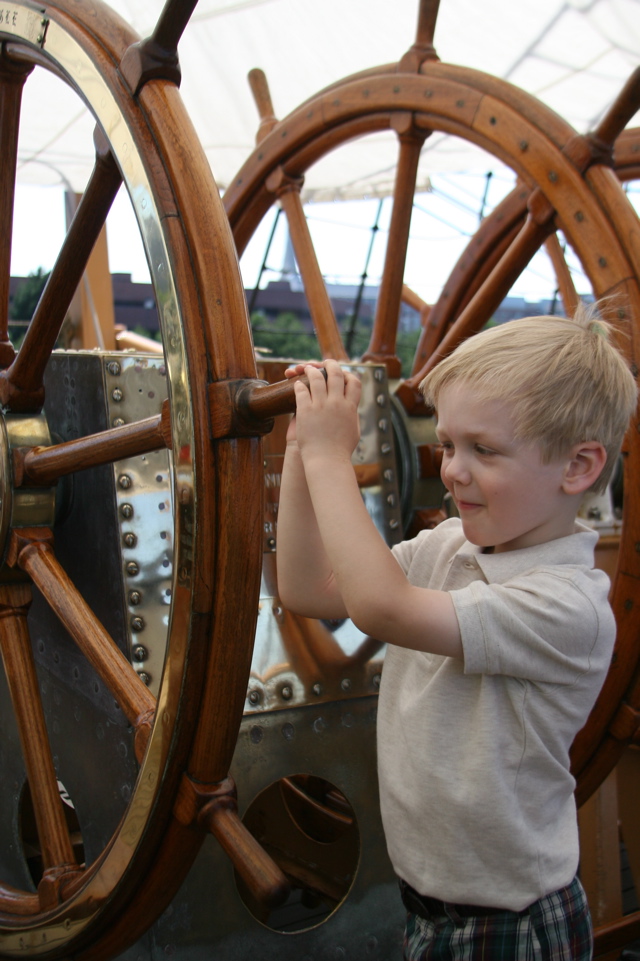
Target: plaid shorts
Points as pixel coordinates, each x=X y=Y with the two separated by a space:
x=555 y=928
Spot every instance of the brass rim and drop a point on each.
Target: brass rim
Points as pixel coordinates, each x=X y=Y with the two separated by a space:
x=142 y=138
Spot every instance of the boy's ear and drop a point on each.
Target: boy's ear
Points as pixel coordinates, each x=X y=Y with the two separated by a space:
x=585 y=464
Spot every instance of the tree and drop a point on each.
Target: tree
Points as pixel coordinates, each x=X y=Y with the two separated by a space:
x=27 y=296
x=24 y=303
x=285 y=336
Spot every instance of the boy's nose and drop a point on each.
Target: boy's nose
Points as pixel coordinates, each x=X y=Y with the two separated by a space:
x=455 y=468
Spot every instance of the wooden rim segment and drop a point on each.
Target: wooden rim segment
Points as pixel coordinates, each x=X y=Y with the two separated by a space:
x=565 y=182
x=188 y=735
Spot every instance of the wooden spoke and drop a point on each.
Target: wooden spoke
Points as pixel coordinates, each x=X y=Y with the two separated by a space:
x=494 y=236
x=491 y=294
x=566 y=287
x=12 y=78
x=21 y=385
x=43 y=466
x=157 y=56
x=57 y=850
x=32 y=552
x=383 y=338
x=423 y=48
x=287 y=190
x=214 y=808
x=620 y=113
x=320 y=306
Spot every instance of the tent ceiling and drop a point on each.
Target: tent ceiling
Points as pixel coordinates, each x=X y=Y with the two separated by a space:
x=575 y=55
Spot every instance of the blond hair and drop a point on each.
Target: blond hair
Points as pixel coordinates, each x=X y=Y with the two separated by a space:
x=563 y=379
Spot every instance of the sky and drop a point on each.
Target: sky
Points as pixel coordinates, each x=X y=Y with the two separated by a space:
x=442 y=223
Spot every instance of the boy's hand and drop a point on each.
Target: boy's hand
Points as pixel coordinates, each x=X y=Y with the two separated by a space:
x=327 y=412
x=296 y=371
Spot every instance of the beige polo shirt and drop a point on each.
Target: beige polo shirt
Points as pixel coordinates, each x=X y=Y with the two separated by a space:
x=476 y=793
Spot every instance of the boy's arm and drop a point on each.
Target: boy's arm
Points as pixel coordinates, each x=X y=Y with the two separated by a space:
x=305 y=580
x=374 y=589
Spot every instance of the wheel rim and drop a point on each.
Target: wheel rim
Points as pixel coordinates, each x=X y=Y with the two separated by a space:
x=206 y=340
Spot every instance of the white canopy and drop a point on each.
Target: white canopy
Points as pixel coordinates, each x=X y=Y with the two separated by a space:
x=575 y=55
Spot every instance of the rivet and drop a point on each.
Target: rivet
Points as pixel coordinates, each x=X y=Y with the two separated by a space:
x=271 y=543
x=393 y=524
x=345 y=684
x=137 y=623
x=553 y=177
x=286 y=692
x=254 y=697
x=126 y=510
x=391 y=500
x=117 y=395
x=602 y=261
x=132 y=569
x=381 y=400
x=113 y=367
x=145 y=677
x=385 y=448
x=139 y=653
x=288 y=731
x=579 y=216
x=378 y=374
x=135 y=597
x=317 y=689
x=388 y=474
x=118 y=422
x=256 y=734
x=376 y=680
x=125 y=481
x=130 y=539
x=383 y=424
x=524 y=145
x=493 y=121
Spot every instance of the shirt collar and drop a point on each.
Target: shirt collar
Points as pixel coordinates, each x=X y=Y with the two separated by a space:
x=576 y=549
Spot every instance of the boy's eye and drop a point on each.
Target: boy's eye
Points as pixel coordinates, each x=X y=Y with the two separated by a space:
x=444 y=446
x=480 y=449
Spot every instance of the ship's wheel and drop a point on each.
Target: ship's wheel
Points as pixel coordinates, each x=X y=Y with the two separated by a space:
x=565 y=182
x=183 y=738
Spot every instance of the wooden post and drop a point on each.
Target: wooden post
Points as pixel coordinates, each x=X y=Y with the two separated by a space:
x=600 y=855
x=628 y=793
x=92 y=311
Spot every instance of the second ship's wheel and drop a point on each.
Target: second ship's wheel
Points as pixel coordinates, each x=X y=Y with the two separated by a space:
x=566 y=183
x=183 y=739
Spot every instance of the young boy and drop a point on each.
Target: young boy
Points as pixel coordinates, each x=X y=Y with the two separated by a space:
x=500 y=630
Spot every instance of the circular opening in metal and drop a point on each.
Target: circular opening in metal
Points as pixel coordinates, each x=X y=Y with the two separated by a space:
x=309 y=828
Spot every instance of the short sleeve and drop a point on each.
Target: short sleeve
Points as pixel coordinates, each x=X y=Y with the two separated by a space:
x=545 y=626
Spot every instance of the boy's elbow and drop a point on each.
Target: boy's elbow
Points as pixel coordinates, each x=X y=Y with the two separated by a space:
x=287 y=594
x=373 y=618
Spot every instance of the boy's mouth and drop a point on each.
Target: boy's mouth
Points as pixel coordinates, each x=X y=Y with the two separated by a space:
x=466 y=505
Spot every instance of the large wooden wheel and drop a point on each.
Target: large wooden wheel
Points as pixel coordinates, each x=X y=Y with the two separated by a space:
x=566 y=182
x=184 y=738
